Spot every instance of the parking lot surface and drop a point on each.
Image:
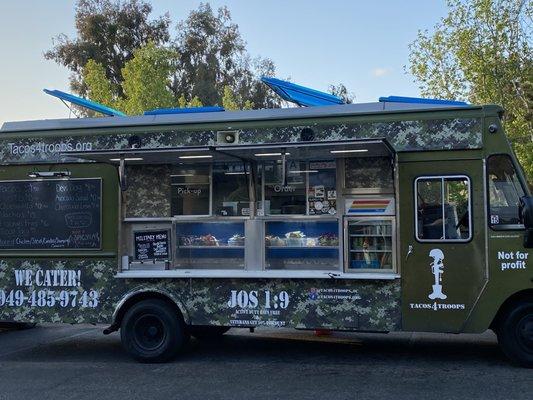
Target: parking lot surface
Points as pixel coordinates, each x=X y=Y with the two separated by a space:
x=78 y=362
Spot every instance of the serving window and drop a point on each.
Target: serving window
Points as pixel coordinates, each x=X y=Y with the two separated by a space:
x=191 y=191
x=273 y=207
x=299 y=188
x=231 y=190
x=204 y=190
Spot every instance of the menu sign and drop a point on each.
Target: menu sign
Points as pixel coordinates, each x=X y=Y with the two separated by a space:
x=151 y=245
x=50 y=214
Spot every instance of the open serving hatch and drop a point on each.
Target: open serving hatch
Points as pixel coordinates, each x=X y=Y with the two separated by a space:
x=252 y=154
x=305 y=151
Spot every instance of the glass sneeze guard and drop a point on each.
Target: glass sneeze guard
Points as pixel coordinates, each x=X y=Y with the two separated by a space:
x=302 y=244
x=210 y=245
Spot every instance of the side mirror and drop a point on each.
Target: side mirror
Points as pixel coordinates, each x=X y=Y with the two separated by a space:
x=526 y=217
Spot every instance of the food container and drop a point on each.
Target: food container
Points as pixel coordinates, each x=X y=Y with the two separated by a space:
x=295 y=239
x=236 y=240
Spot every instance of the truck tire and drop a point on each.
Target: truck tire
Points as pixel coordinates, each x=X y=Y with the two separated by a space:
x=515 y=334
x=153 y=332
x=207 y=332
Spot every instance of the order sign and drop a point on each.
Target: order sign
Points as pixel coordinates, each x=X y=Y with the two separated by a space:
x=151 y=245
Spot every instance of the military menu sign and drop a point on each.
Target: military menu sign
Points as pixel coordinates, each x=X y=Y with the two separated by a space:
x=50 y=214
x=151 y=245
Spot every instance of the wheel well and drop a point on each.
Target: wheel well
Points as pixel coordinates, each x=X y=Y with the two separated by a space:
x=140 y=296
x=508 y=304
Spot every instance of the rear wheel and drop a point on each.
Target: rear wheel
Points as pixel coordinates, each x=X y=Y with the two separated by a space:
x=153 y=331
x=207 y=332
x=515 y=334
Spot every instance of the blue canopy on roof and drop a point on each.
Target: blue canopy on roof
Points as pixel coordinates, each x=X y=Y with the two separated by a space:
x=185 y=110
x=419 y=100
x=79 y=101
x=301 y=95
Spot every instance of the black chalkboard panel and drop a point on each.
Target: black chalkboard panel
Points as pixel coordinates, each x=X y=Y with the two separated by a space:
x=151 y=245
x=50 y=214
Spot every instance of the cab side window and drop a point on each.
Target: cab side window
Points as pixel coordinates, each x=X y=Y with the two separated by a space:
x=504 y=190
x=443 y=211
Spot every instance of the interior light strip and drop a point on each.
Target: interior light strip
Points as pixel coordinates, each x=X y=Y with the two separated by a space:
x=270 y=154
x=192 y=157
x=348 y=151
x=127 y=159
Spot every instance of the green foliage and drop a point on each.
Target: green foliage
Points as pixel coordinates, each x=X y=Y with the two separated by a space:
x=207 y=55
x=107 y=32
x=213 y=55
x=147 y=79
x=194 y=102
x=230 y=101
x=481 y=52
x=99 y=87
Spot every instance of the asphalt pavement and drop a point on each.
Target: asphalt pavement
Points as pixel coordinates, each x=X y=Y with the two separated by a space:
x=78 y=362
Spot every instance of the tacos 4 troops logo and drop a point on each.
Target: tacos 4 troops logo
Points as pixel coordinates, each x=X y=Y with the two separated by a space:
x=437 y=269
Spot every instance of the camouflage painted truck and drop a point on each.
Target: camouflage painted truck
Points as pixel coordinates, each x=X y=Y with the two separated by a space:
x=379 y=217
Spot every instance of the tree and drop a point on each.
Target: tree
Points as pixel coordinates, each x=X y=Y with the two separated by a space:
x=145 y=85
x=231 y=102
x=147 y=79
x=213 y=56
x=481 y=52
x=98 y=86
x=208 y=55
x=108 y=33
x=342 y=92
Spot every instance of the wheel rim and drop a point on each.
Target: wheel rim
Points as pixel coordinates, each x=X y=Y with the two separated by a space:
x=525 y=332
x=149 y=332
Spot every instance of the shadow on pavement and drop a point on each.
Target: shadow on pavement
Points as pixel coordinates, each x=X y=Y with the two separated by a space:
x=239 y=346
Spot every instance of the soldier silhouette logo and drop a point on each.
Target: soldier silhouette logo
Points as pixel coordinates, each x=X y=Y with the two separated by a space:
x=437 y=269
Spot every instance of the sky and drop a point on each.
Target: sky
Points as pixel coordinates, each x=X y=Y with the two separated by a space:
x=363 y=44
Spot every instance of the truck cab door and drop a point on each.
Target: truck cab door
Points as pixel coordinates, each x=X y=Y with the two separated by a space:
x=442 y=242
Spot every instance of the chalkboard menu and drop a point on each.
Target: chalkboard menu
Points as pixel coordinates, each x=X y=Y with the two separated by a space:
x=151 y=245
x=50 y=214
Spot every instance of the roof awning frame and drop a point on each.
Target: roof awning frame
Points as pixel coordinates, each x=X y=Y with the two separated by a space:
x=210 y=154
x=247 y=152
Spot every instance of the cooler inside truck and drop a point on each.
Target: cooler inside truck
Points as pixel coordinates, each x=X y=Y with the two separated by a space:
x=369 y=243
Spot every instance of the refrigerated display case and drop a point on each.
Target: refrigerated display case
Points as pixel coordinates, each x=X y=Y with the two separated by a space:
x=210 y=244
x=302 y=244
x=369 y=243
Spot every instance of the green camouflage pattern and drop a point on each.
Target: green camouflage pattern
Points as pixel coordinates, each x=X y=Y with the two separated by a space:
x=148 y=193
x=96 y=275
x=297 y=303
x=413 y=135
x=368 y=172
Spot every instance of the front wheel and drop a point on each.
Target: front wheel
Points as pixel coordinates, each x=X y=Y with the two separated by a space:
x=152 y=331
x=515 y=334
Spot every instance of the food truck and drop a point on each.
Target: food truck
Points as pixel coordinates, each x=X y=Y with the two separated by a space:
x=400 y=215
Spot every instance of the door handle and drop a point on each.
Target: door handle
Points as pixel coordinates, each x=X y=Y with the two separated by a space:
x=409 y=251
